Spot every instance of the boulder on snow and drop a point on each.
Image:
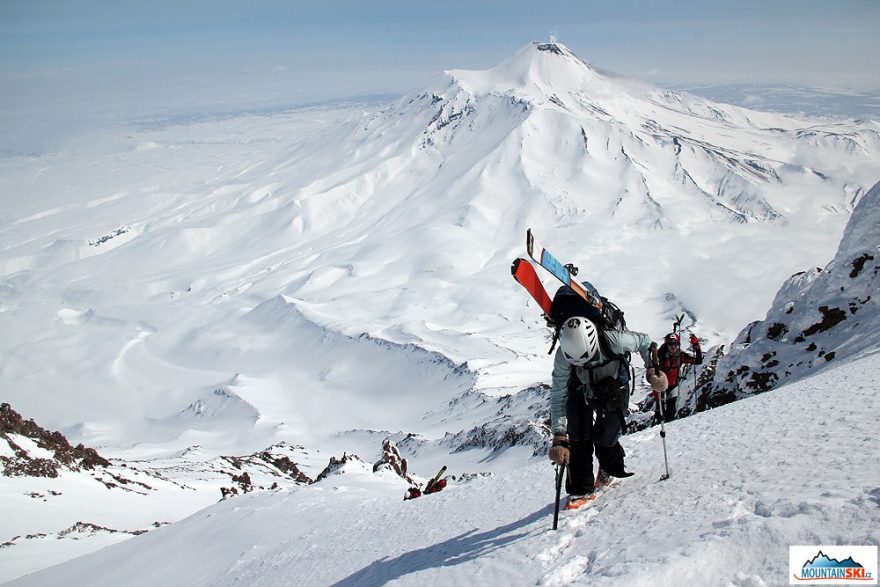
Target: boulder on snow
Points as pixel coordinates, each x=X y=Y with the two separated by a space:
x=284 y=464
x=337 y=466
x=392 y=460
x=244 y=483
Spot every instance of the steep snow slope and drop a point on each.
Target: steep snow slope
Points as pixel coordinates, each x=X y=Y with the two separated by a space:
x=818 y=316
x=748 y=480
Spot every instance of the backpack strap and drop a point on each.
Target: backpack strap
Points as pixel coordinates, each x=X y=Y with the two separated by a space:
x=556 y=331
x=623 y=373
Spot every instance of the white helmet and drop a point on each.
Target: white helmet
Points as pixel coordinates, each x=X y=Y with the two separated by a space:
x=579 y=340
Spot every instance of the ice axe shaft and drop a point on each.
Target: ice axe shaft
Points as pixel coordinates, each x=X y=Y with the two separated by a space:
x=560 y=473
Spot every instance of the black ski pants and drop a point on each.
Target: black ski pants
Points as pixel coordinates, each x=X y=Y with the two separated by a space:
x=669 y=406
x=585 y=435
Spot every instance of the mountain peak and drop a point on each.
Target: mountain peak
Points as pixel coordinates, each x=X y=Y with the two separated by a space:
x=537 y=69
x=552 y=47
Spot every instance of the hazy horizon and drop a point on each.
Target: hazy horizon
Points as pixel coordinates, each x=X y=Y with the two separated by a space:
x=70 y=66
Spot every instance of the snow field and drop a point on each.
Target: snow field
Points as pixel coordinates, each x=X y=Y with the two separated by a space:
x=795 y=466
x=333 y=277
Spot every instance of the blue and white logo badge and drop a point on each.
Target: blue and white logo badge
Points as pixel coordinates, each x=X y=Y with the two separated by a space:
x=832 y=565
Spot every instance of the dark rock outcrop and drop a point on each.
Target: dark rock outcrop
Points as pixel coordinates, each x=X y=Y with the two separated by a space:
x=336 y=465
x=74 y=458
x=392 y=460
x=818 y=316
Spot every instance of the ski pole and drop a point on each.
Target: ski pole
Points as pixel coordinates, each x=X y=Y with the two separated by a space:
x=663 y=438
x=676 y=330
x=560 y=473
x=656 y=365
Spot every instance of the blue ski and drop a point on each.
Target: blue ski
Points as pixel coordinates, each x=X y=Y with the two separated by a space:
x=546 y=260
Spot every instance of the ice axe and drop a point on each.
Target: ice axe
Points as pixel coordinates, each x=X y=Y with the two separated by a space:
x=560 y=473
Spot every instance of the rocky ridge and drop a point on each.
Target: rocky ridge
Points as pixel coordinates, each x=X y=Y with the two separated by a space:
x=818 y=316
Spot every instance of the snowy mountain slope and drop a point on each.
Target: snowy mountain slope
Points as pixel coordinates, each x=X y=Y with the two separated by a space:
x=818 y=316
x=62 y=501
x=743 y=488
x=335 y=277
x=399 y=224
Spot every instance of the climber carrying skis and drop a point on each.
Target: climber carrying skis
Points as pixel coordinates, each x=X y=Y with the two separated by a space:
x=671 y=359
x=587 y=381
x=589 y=395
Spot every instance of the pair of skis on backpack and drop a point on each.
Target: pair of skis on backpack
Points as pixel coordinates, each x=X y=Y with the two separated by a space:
x=524 y=273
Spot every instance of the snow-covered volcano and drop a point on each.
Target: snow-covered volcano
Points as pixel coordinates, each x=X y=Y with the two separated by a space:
x=332 y=277
x=326 y=256
x=290 y=250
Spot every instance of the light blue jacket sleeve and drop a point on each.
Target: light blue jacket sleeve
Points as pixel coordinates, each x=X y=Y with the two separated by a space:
x=630 y=342
x=619 y=342
x=559 y=393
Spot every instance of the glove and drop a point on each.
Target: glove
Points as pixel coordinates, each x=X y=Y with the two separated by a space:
x=658 y=381
x=559 y=449
x=695 y=342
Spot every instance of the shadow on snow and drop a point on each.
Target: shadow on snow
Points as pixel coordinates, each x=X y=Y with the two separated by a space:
x=455 y=551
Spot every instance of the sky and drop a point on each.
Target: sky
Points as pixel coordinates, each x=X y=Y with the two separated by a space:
x=102 y=59
x=796 y=40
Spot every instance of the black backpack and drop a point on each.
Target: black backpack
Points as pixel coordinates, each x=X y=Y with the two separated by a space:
x=567 y=304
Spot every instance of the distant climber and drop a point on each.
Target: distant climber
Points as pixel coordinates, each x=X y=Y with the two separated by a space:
x=671 y=359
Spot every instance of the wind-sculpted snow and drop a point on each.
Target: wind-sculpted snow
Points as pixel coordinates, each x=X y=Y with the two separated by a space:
x=277 y=340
